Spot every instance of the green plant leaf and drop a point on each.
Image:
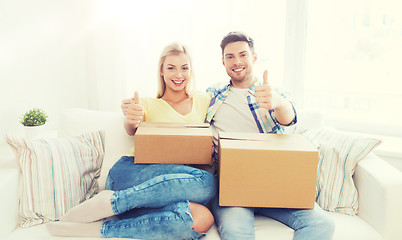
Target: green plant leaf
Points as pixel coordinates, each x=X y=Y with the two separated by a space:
x=34 y=117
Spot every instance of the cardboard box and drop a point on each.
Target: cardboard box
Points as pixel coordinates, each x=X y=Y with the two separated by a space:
x=267 y=170
x=173 y=143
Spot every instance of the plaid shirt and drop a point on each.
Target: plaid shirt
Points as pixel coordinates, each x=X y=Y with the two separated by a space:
x=265 y=119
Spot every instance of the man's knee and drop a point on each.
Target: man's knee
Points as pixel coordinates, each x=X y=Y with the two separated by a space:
x=202 y=217
x=320 y=228
x=327 y=226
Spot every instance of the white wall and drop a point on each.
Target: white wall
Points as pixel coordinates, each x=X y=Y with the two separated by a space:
x=128 y=36
x=43 y=51
x=57 y=54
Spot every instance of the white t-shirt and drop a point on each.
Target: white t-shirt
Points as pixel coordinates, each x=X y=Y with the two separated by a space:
x=234 y=115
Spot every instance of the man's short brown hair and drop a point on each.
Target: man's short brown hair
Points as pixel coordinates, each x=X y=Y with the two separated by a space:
x=237 y=37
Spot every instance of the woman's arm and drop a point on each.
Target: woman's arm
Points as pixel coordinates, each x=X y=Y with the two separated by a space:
x=130 y=128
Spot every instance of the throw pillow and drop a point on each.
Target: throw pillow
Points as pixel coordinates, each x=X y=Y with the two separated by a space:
x=56 y=174
x=339 y=155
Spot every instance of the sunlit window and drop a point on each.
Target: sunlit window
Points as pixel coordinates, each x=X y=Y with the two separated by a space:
x=353 y=64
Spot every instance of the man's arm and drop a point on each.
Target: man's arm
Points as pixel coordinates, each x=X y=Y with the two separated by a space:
x=267 y=98
x=284 y=113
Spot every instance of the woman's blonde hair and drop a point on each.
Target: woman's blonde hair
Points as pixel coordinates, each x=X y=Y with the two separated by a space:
x=173 y=49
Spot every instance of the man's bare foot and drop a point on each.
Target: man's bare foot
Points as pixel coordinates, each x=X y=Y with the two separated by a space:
x=94 y=209
x=73 y=229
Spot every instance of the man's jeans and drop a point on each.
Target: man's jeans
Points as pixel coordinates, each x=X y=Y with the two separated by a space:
x=237 y=223
x=152 y=200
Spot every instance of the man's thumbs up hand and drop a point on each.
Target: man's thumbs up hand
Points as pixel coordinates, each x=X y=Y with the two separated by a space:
x=135 y=111
x=265 y=96
x=265 y=77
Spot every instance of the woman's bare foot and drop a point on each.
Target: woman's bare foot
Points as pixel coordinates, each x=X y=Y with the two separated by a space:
x=94 y=209
x=73 y=229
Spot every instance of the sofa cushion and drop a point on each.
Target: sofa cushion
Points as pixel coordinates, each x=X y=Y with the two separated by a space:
x=9 y=176
x=353 y=228
x=76 y=121
x=339 y=155
x=347 y=228
x=56 y=174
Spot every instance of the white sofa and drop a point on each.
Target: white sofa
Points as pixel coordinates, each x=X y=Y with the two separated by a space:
x=378 y=183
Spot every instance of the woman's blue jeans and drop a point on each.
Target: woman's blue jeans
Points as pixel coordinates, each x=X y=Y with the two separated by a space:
x=152 y=200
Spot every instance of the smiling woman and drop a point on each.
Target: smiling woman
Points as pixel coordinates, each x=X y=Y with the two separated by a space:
x=176 y=76
x=174 y=69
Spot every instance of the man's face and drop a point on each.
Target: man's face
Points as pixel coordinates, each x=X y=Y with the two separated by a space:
x=239 y=61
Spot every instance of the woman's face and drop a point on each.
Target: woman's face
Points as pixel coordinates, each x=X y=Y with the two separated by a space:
x=176 y=72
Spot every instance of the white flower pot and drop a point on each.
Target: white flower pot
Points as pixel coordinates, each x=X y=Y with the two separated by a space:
x=33 y=132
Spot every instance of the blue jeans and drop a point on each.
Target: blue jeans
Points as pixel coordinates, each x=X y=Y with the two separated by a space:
x=152 y=200
x=237 y=223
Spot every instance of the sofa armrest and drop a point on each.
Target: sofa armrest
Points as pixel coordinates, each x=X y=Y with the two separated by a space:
x=380 y=195
x=9 y=180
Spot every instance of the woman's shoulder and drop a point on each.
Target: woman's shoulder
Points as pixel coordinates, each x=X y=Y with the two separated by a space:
x=148 y=100
x=201 y=101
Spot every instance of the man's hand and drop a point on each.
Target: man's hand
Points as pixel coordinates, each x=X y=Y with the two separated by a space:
x=265 y=95
x=134 y=111
x=267 y=98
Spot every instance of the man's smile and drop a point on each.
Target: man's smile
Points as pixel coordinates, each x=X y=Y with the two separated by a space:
x=238 y=69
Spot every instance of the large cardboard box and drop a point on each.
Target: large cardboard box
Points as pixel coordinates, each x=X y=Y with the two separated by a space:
x=267 y=170
x=173 y=143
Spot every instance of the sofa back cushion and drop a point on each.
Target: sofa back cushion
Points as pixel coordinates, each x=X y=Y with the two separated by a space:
x=76 y=121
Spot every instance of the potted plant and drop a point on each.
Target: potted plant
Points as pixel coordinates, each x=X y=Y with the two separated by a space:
x=34 y=121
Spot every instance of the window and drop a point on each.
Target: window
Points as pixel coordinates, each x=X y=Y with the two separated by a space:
x=352 y=64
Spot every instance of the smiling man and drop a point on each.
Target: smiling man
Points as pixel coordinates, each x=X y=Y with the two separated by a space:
x=245 y=105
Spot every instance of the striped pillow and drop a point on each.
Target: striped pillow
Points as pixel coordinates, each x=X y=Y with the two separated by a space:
x=56 y=174
x=339 y=155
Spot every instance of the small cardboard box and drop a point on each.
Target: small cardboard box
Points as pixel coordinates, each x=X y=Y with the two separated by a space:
x=173 y=143
x=267 y=170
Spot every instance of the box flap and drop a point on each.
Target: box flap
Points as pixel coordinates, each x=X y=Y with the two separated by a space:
x=256 y=141
x=173 y=129
x=244 y=136
x=174 y=125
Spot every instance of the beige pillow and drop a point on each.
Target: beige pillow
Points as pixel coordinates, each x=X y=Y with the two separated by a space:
x=56 y=174
x=339 y=155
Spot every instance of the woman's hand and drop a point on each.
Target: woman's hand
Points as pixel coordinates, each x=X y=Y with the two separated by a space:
x=134 y=112
x=125 y=103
